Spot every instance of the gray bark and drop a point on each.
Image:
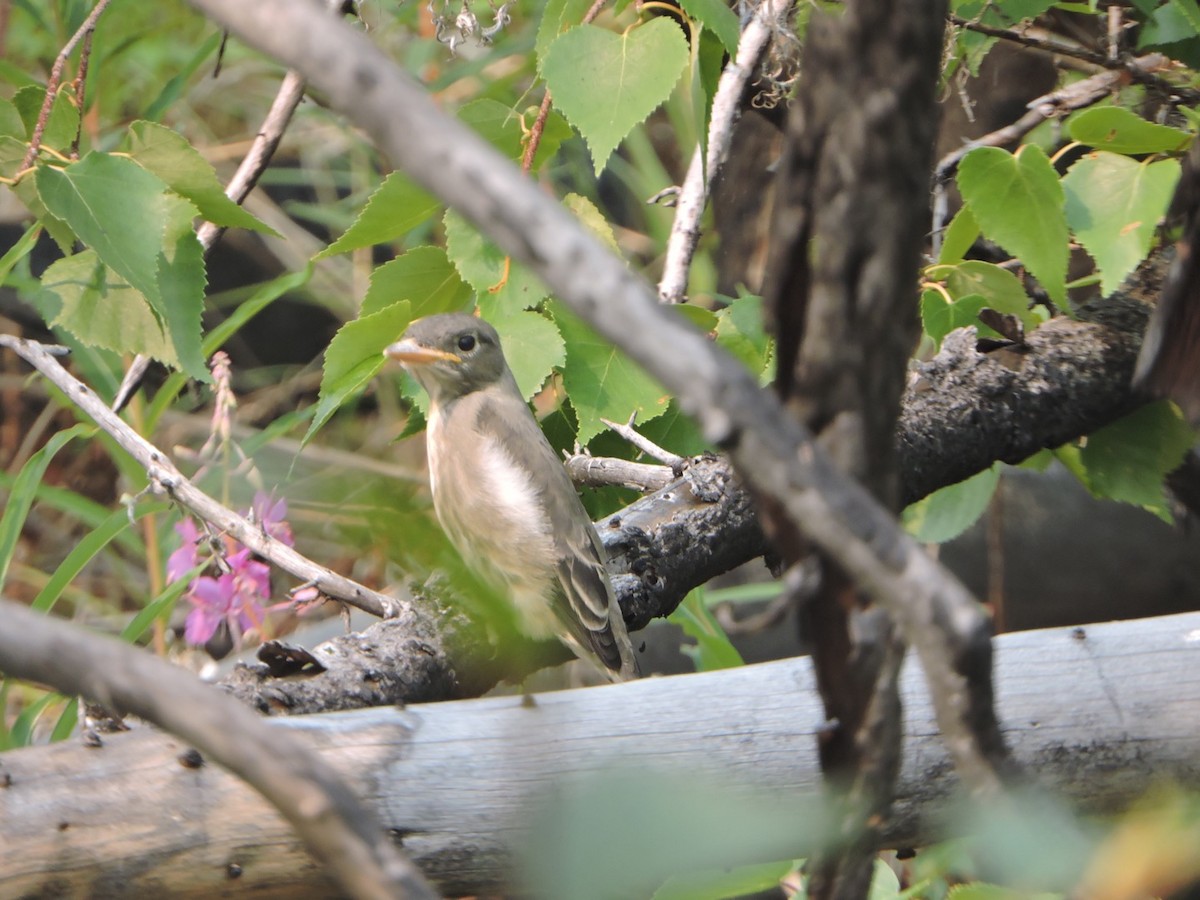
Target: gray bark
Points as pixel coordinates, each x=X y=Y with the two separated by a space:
x=457 y=781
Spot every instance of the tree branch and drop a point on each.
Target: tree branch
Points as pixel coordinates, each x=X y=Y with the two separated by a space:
x=460 y=780
x=295 y=780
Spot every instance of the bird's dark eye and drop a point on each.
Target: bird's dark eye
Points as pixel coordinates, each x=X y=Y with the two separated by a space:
x=466 y=343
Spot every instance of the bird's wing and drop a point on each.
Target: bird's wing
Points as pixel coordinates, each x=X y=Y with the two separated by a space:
x=580 y=559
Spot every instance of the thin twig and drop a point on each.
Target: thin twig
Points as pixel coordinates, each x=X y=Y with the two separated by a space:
x=88 y=26
x=333 y=823
x=165 y=478
x=80 y=88
x=644 y=444
x=603 y=471
x=702 y=172
x=1134 y=68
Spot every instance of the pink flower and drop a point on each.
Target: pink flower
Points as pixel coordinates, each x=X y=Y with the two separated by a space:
x=185 y=558
x=235 y=597
x=271 y=514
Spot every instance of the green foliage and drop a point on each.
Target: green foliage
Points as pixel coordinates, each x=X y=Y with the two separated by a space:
x=1114 y=204
x=947 y=513
x=606 y=83
x=1128 y=459
x=713 y=649
x=1018 y=202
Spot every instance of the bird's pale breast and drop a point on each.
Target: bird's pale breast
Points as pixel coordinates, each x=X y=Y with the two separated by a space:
x=493 y=514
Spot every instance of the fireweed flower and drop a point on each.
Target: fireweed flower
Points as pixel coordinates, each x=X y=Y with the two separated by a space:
x=239 y=596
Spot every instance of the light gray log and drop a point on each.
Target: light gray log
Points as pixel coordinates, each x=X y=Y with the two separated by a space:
x=1098 y=714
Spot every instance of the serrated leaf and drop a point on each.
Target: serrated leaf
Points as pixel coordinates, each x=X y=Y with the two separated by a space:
x=704 y=319
x=11 y=124
x=143 y=233
x=501 y=126
x=959 y=237
x=1018 y=202
x=718 y=18
x=482 y=265
x=1119 y=130
x=587 y=213
x=63 y=123
x=602 y=382
x=12 y=153
x=607 y=83
x=424 y=276
x=1128 y=459
x=972 y=285
x=533 y=347
x=353 y=358
x=396 y=208
x=675 y=431
x=948 y=512
x=181 y=280
x=740 y=330
x=168 y=155
x=557 y=17
x=1114 y=204
x=83 y=296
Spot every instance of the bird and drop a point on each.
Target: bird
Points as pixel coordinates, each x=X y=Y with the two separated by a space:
x=504 y=498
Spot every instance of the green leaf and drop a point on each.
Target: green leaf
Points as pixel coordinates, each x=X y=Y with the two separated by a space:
x=587 y=213
x=12 y=154
x=558 y=16
x=354 y=356
x=713 y=649
x=1128 y=459
x=947 y=513
x=602 y=382
x=160 y=607
x=1119 y=130
x=83 y=296
x=20 y=497
x=959 y=237
x=11 y=123
x=168 y=155
x=179 y=82
x=533 y=347
x=396 y=208
x=61 y=126
x=482 y=265
x=718 y=884
x=82 y=554
x=424 y=276
x=1114 y=205
x=501 y=126
x=718 y=18
x=19 y=250
x=740 y=330
x=972 y=285
x=607 y=83
x=1018 y=202
x=143 y=233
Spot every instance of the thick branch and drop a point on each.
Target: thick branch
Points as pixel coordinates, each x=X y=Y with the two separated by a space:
x=297 y=782
x=459 y=780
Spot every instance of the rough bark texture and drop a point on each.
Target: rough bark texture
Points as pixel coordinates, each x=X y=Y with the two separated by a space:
x=850 y=209
x=660 y=547
x=456 y=781
x=965 y=409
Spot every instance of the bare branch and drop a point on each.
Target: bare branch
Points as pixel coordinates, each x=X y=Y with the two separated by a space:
x=595 y=471
x=643 y=443
x=767 y=19
x=83 y=33
x=165 y=478
x=303 y=787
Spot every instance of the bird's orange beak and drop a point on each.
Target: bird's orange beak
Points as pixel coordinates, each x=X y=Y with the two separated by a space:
x=409 y=351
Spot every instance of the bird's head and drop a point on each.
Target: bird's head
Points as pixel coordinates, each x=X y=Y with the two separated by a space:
x=451 y=355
